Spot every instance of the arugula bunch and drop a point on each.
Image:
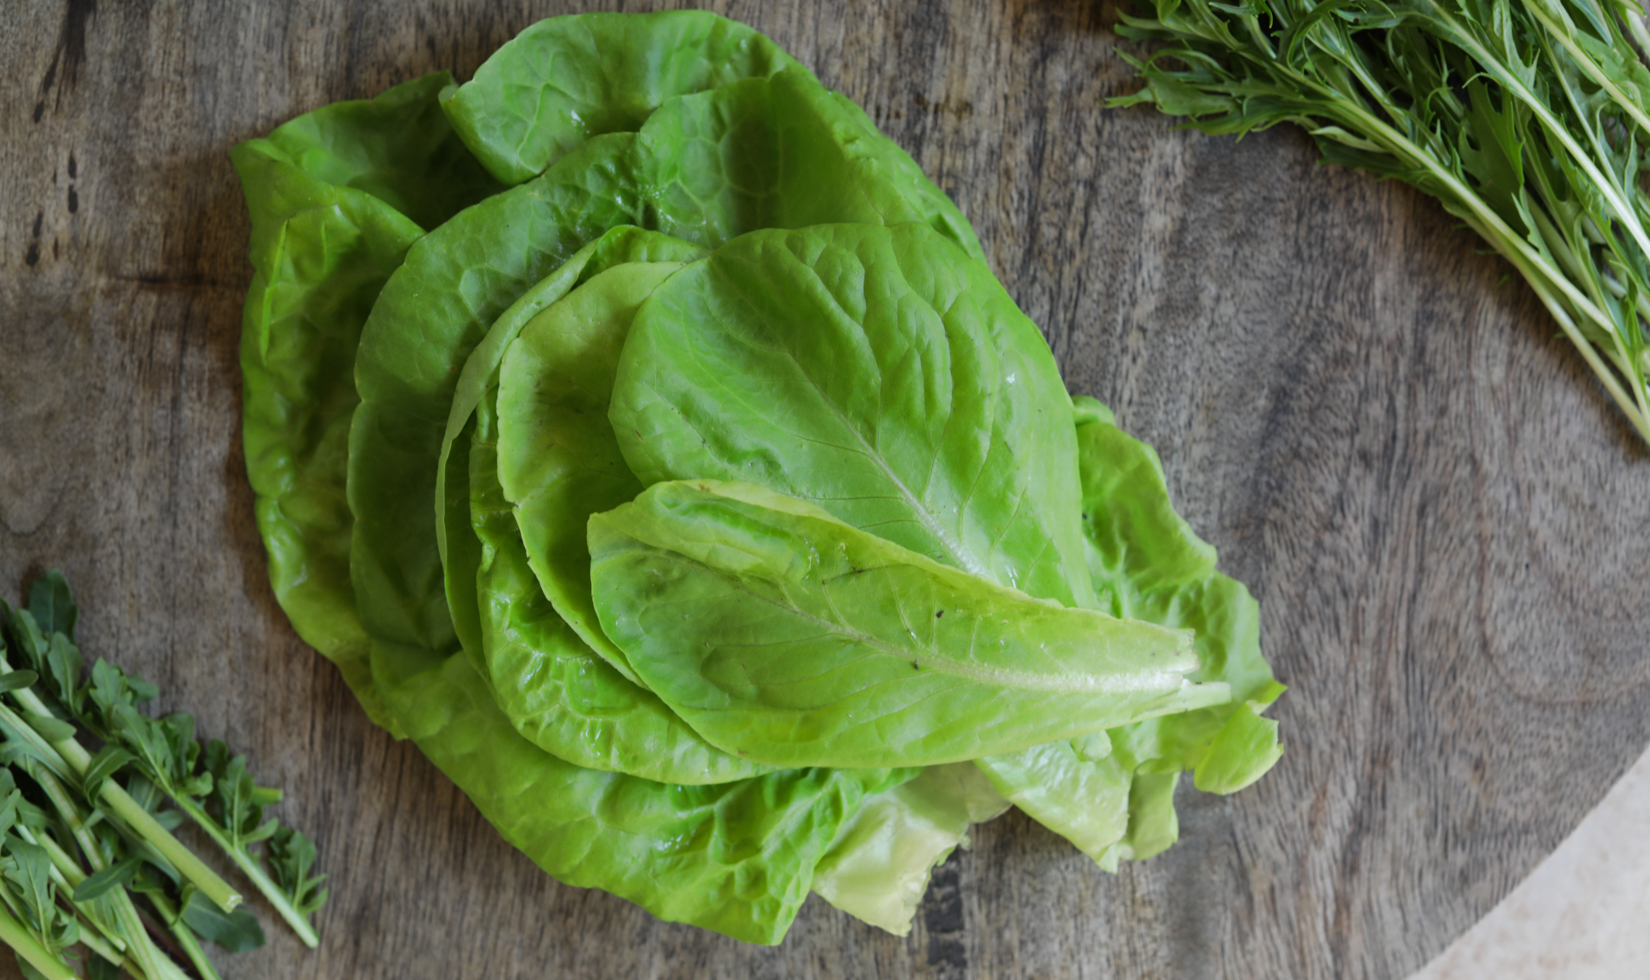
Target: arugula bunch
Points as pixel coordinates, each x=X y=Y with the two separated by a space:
x=84 y=838
x=643 y=434
x=1525 y=118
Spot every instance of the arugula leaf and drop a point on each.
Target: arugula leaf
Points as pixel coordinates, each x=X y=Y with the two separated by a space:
x=237 y=931
x=291 y=855
x=109 y=760
x=113 y=876
x=51 y=606
x=235 y=799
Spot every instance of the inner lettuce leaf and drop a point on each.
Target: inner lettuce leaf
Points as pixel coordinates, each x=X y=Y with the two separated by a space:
x=336 y=197
x=878 y=869
x=786 y=636
x=566 y=79
x=457 y=545
x=559 y=461
x=557 y=691
x=736 y=857
x=880 y=373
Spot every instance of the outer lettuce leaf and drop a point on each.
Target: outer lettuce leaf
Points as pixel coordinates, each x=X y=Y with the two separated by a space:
x=1153 y=826
x=1147 y=563
x=1070 y=788
x=878 y=372
x=566 y=79
x=559 y=461
x=458 y=547
x=336 y=197
x=397 y=147
x=788 y=637
x=737 y=857
x=879 y=866
x=558 y=692
x=784 y=152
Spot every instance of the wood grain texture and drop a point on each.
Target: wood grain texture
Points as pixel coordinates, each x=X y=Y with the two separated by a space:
x=1444 y=520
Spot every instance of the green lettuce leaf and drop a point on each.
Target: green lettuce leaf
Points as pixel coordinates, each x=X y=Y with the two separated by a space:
x=877 y=372
x=559 y=461
x=1147 y=563
x=457 y=545
x=566 y=79
x=557 y=691
x=788 y=637
x=1079 y=789
x=336 y=198
x=456 y=281
x=737 y=857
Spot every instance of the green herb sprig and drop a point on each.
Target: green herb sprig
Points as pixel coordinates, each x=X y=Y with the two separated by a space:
x=1525 y=118
x=84 y=838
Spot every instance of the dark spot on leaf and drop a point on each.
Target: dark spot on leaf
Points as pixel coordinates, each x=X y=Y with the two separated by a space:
x=74 y=201
x=915 y=665
x=1085 y=517
x=939 y=614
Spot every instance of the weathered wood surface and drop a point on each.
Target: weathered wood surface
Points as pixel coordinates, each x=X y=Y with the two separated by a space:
x=1443 y=518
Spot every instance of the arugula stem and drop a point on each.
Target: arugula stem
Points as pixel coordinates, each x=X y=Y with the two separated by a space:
x=1588 y=65
x=1546 y=281
x=70 y=752
x=252 y=869
x=68 y=875
x=154 y=963
x=13 y=933
x=101 y=947
x=185 y=936
x=1493 y=67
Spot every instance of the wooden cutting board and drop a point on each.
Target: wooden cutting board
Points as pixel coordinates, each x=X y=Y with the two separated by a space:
x=1444 y=520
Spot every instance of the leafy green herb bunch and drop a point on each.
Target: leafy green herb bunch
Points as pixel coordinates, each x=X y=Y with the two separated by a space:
x=87 y=858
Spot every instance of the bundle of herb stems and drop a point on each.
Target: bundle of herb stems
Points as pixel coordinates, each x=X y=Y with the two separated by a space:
x=1523 y=117
x=86 y=853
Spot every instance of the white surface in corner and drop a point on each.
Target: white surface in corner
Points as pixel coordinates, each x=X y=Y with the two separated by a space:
x=1584 y=914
